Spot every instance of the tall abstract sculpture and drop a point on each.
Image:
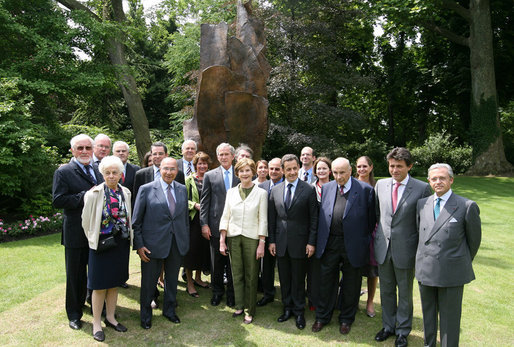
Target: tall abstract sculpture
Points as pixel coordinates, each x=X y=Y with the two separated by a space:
x=231 y=103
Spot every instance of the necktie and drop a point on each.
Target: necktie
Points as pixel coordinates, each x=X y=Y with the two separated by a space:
x=395 y=195
x=122 y=177
x=437 y=208
x=341 y=190
x=157 y=174
x=227 y=180
x=287 y=203
x=189 y=169
x=305 y=175
x=87 y=167
x=171 y=200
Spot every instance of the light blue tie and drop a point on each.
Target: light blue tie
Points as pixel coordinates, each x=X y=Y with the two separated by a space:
x=227 y=180
x=437 y=208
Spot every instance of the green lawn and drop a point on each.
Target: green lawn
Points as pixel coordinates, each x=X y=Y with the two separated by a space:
x=32 y=283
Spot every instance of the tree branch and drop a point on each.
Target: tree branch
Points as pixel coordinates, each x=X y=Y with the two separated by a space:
x=458 y=39
x=77 y=5
x=460 y=10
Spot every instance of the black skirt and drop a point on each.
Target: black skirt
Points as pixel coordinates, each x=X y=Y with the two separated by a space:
x=109 y=269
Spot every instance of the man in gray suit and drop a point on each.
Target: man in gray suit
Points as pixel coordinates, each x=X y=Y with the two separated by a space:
x=161 y=235
x=396 y=241
x=215 y=185
x=449 y=236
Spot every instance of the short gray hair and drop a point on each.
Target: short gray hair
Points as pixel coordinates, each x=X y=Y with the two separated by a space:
x=110 y=161
x=81 y=137
x=289 y=157
x=189 y=140
x=244 y=147
x=439 y=166
x=223 y=145
x=103 y=136
x=120 y=143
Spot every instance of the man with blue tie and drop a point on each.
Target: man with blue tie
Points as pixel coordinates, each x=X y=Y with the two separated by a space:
x=346 y=221
x=70 y=184
x=161 y=236
x=449 y=237
x=216 y=182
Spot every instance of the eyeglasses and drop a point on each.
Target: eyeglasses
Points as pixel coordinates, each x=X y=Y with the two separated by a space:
x=103 y=146
x=81 y=148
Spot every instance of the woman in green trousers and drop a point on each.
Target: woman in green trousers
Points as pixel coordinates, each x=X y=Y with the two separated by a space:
x=244 y=227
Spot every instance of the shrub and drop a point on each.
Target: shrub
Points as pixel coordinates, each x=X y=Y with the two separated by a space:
x=31 y=226
x=441 y=148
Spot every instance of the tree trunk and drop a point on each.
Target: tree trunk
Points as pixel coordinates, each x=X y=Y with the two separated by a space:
x=128 y=84
x=488 y=151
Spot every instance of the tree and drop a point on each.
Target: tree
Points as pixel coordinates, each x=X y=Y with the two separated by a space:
x=112 y=10
x=477 y=36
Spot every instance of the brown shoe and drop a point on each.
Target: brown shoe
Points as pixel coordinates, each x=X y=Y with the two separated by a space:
x=317 y=326
x=345 y=328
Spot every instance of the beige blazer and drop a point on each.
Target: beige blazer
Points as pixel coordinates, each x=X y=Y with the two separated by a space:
x=248 y=217
x=94 y=201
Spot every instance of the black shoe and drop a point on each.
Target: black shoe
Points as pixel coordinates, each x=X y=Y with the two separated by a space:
x=99 y=336
x=146 y=325
x=184 y=277
x=119 y=327
x=300 y=322
x=75 y=324
x=383 y=335
x=124 y=285
x=231 y=302
x=216 y=299
x=265 y=300
x=285 y=316
x=401 y=341
x=173 y=318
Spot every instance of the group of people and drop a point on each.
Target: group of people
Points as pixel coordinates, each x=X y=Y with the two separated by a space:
x=237 y=224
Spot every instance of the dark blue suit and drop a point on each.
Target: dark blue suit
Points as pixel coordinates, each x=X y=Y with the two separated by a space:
x=166 y=237
x=352 y=249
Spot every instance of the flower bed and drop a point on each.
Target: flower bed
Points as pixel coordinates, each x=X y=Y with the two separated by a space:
x=32 y=226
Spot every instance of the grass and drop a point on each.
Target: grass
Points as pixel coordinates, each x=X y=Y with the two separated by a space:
x=32 y=284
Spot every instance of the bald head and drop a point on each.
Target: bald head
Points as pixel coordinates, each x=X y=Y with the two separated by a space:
x=342 y=170
x=169 y=169
x=275 y=169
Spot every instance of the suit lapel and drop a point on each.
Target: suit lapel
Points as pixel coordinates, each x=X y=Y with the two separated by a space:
x=159 y=195
x=81 y=172
x=298 y=191
x=328 y=205
x=351 y=198
x=448 y=210
x=406 y=192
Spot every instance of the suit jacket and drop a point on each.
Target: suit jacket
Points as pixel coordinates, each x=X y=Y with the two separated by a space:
x=146 y=175
x=153 y=224
x=398 y=228
x=212 y=201
x=130 y=176
x=358 y=220
x=448 y=245
x=70 y=184
x=292 y=229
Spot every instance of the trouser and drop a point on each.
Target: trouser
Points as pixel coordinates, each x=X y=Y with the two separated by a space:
x=268 y=273
x=76 y=260
x=291 y=273
x=245 y=270
x=150 y=273
x=220 y=264
x=447 y=302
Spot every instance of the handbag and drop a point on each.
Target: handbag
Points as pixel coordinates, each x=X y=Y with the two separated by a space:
x=106 y=244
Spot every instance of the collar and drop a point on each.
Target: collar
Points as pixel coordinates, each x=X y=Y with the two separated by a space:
x=294 y=183
x=347 y=186
x=444 y=197
x=164 y=185
x=404 y=182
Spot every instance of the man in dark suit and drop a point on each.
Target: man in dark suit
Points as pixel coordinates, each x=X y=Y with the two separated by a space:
x=101 y=149
x=185 y=164
x=216 y=182
x=449 y=237
x=121 y=150
x=268 y=261
x=71 y=181
x=293 y=223
x=161 y=235
x=346 y=221
x=395 y=244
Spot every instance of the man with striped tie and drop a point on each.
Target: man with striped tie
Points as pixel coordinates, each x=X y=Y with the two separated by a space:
x=185 y=164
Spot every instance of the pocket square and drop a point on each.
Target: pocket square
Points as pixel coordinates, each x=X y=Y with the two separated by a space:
x=453 y=220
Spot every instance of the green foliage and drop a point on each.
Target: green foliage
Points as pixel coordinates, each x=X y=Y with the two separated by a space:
x=441 y=148
x=27 y=162
x=507 y=124
x=484 y=129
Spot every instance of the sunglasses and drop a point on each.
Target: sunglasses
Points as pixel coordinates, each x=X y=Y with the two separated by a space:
x=81 y=148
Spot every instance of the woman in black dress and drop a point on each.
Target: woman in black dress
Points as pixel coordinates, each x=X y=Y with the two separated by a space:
x=198 y=257
x=107 y=225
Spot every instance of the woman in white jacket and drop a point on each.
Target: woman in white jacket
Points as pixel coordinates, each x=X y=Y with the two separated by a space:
x=244 y=227
x=107 y=225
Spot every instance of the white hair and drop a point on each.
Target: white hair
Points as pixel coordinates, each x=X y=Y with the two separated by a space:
x=223 y=145
x=120 y=143
x=189 y=140
x=110 y=161
x=81 y=137
x=103 y=136
x=439 y=166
